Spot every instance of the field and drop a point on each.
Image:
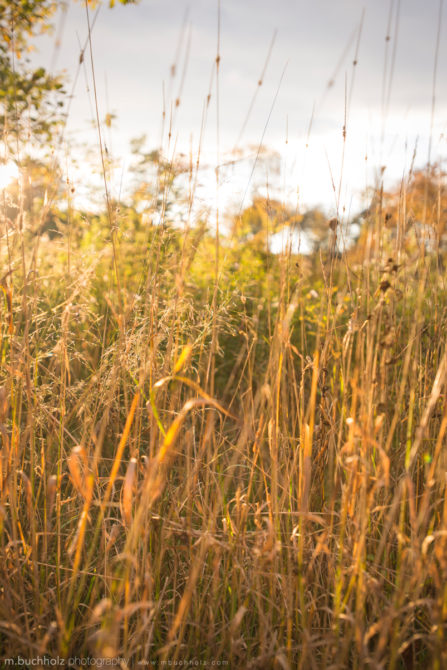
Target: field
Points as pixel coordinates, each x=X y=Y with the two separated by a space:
x=216 y=455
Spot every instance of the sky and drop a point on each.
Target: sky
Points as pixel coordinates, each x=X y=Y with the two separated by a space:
x=302 y=52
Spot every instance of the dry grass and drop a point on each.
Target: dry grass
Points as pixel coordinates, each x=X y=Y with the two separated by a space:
x=262 y=484
x=216 y=454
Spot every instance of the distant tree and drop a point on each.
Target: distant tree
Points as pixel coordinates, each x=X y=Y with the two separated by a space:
x=263 y=218
x=426 y=202
x=267 y=217
x=314 y=224
x=414 y=212
x=157 y=190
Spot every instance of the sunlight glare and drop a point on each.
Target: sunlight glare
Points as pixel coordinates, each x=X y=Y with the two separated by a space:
x=8 y=172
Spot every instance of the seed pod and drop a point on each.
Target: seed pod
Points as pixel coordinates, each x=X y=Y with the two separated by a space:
x=128 y=490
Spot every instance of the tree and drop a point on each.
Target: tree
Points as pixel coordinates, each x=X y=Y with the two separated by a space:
x=28 y=103
x=266 y=218
x=414 y=213
x=263 y=218
x=157 y=190
x=30 y=98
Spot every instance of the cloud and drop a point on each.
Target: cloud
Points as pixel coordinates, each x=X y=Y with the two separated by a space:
x=388 y=92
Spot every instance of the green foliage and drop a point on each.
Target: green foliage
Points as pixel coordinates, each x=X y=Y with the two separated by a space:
x=156 y=189
x=30 y=98
x=123 y=2
x=261 y=219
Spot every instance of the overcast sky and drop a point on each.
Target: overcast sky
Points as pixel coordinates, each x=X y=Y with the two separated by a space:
x=310 y=75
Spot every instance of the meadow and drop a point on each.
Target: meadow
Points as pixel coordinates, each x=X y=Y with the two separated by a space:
x=216 y=455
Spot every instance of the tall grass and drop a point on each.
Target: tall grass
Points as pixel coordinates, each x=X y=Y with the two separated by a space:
x=294 y=518
x=214 y=455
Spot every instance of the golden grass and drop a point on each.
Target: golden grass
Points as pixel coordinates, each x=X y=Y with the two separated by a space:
x=249 y=475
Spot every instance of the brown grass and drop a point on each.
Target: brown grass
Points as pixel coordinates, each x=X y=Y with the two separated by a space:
x=295 y=518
